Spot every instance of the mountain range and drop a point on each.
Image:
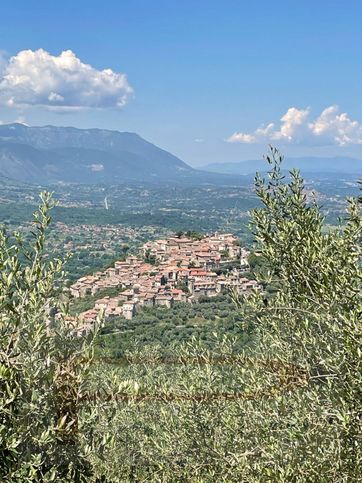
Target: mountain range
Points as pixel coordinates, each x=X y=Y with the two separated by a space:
x=52 y=154
x=310 y=165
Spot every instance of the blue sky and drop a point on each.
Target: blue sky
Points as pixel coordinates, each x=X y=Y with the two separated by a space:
x=201 y=76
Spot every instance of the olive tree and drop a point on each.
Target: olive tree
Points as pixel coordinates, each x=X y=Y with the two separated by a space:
x=310 y=330
x=43 y=367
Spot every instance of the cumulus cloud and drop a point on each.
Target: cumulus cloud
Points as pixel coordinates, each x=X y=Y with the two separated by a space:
x=330 y=127
x=64 y=82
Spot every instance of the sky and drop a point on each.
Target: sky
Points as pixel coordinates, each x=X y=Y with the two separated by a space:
x=210 y=81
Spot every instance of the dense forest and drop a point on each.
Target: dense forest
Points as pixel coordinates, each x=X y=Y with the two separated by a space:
x=262 y=388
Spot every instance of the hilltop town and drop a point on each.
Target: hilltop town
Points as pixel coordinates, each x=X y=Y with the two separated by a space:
x=177 y=269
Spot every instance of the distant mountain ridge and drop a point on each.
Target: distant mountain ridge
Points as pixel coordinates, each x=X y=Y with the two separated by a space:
x=51 y=154
x=336 y=164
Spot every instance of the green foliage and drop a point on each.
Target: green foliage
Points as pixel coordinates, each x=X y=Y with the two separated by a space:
x=194 y=235
x=42 y=366
x=313 y=322
x=150 y=258
x=168 y=328
x=182 y=285
x=227 y=267
x=179 y=418
x=255 y=261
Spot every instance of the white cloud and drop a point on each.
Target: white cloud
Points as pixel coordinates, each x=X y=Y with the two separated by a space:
x=199 y=140
x=240 y=137
x=37 y=78
x=96 y=167
x=332 y=126
x=329 y=128
x=293 y=125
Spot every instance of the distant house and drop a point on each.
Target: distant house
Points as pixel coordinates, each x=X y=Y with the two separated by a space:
x=164 y=300
x=128 y=310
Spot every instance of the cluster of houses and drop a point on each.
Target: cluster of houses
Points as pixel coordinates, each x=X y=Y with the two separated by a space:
x=179 y=269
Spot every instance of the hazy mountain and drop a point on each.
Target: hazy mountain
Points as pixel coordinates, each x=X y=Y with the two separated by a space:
x=337 y=164
x=51 y=154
